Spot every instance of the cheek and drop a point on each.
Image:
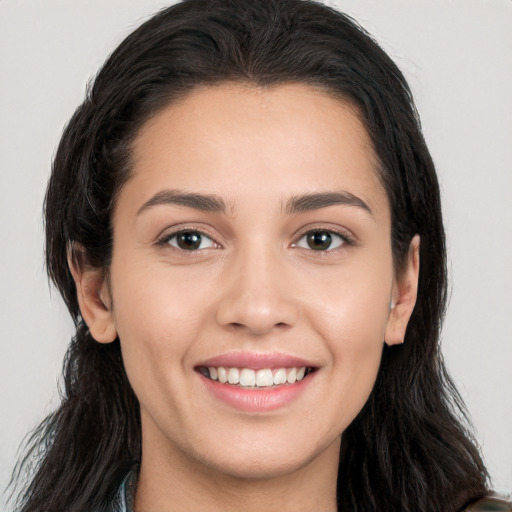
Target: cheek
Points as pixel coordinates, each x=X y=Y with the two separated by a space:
x=353 y=306
x=355 y=340
x=158 y=302
x=158 y=320
x=351 y=318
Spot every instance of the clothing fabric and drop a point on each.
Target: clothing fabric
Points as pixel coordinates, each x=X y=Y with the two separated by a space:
x=491 y=503
x=123 y=500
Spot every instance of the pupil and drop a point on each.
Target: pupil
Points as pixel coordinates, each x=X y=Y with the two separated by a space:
x=319 y=240
x=189 y=240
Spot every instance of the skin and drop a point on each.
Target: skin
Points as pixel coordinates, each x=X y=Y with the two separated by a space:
x=254 y=285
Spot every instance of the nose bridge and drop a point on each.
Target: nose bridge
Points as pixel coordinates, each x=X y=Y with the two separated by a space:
x=257 y=295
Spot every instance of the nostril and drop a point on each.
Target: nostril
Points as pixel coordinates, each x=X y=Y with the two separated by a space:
x=258 y=314
x=257 y=329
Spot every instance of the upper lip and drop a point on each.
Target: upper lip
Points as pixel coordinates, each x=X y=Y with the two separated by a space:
x=256 y=360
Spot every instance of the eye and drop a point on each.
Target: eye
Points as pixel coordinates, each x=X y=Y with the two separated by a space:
x=320 y=240
x=189 y=240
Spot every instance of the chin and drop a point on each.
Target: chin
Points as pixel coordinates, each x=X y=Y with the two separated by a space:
x=262 y=461
x=258 y=468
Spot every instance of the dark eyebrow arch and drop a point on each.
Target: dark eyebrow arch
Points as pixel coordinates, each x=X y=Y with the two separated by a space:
x=204 y=202
x=308 y=202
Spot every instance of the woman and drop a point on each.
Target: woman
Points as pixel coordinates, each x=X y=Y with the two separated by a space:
x=244 y=221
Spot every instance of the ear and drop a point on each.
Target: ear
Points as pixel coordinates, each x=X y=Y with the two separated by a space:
x=93 y=296
x=403 y=296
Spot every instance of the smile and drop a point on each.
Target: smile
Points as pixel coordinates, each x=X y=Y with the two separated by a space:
x=255 y=378
x=256 y=382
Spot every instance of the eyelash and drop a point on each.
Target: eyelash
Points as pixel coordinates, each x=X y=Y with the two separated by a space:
x=345 y=239
x=165 y=240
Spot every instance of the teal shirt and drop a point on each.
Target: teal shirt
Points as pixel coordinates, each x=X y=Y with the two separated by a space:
x=123 y=500
x=491 y=504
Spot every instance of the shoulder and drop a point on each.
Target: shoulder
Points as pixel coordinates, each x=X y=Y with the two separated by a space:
x=490 y=504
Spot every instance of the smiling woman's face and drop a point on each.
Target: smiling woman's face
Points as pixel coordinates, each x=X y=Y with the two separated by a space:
x=252 y=242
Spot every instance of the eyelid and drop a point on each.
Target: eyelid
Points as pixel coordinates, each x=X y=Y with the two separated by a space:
x=169 y=233
x=337 y=244
x=347 y=238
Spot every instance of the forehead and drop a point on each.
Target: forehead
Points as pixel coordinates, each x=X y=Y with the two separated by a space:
x=235 y=139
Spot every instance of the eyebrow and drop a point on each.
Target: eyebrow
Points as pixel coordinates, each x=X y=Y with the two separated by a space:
x=204 y=202
x=308 y=202
x=214 y=203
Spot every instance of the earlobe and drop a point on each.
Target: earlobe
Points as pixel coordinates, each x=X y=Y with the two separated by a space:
x=93 y=296
x=404 y=294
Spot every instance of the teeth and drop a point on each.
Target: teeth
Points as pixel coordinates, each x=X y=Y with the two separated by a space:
x=264 y=378
x=222 y=374
x=249 y=378
x=280 y=376
x=234 y=376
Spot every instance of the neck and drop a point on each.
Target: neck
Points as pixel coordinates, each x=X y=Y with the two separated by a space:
x=169 y=480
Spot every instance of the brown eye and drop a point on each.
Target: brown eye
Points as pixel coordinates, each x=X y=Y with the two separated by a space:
x=190 y=241
x=320 y=240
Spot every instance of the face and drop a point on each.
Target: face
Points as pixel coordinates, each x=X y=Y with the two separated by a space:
x=251 y=244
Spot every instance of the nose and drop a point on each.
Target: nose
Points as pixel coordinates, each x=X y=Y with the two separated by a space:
x=258 y=295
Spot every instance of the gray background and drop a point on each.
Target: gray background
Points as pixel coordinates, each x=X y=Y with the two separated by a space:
x=456 y=55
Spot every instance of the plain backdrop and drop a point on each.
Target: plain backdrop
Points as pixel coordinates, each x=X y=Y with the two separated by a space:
x=456 y=55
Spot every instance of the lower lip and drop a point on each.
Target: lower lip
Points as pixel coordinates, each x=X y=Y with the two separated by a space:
x=256 y=399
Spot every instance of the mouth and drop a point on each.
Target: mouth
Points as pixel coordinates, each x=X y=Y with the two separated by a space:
x=261 y=378
x=254 y=382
